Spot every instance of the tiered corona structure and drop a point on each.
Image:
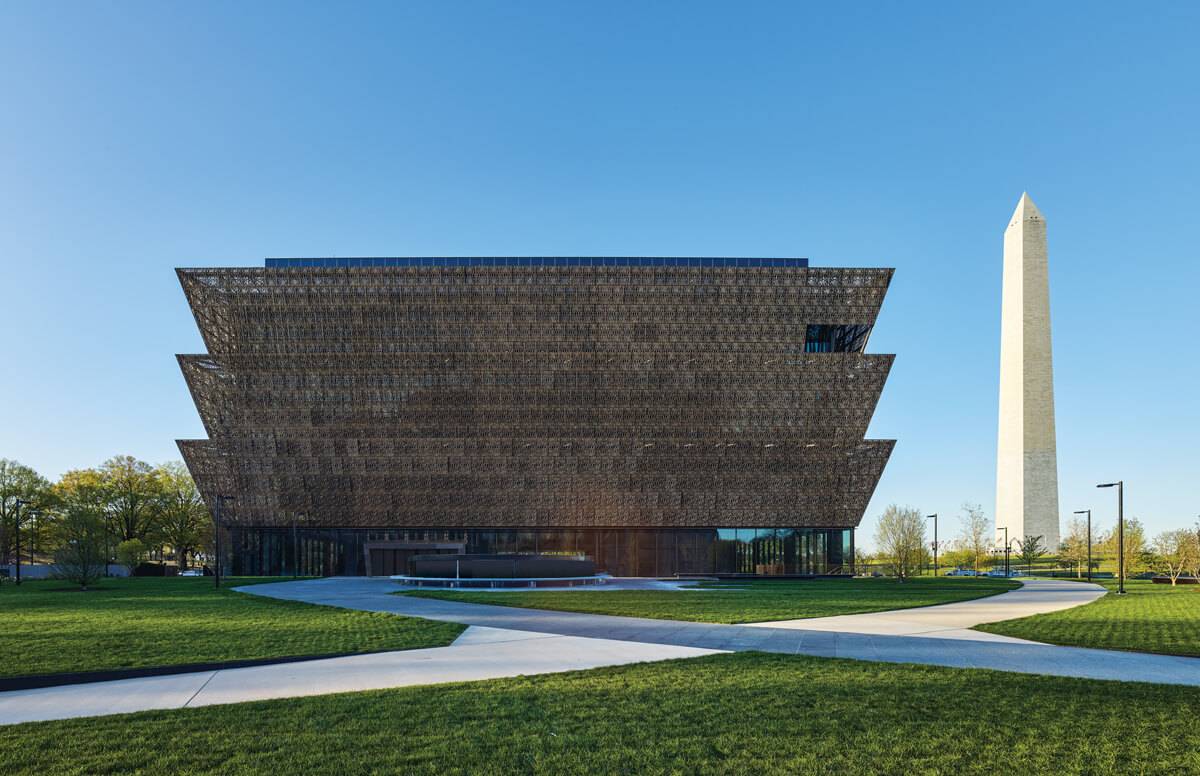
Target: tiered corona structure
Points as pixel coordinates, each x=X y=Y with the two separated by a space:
x=662 y=416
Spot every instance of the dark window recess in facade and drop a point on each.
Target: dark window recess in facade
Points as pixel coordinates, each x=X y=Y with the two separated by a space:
x=622 y=552
x=836 y=338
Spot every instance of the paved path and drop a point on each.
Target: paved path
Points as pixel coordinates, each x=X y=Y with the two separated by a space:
x=954 y=621
x=479 y=653
x=508 y=641
x=1003 y=655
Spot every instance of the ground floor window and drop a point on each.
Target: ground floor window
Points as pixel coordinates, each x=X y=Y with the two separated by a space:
x=623 y=552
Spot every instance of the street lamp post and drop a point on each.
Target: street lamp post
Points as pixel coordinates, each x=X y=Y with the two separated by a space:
x=295 y=547
x=935 y=542
x=1006 y=548
x=218 y=502
x=17 y=534
x=1120 y=486
x=1089 y=539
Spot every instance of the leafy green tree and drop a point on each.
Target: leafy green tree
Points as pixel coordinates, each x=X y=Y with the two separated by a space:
x=1194 y=569
x=1031 y=548
x=184 y=522
x=900 y=535
x=18 y=481
x=133 y=491
x=1135 y=545
x=131 y=552
x=81 y=490
x=79 y=557
x=956 y=557
x=1178 y=551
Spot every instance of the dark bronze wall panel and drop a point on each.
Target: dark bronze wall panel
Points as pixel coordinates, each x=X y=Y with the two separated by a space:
x=534 y=396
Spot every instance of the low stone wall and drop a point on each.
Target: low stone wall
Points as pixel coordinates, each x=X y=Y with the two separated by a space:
x=500 y=566
x=46 y=571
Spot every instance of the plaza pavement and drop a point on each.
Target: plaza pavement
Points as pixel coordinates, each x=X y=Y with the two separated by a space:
x=954 y=621
x=999 y=653
x=508 y=641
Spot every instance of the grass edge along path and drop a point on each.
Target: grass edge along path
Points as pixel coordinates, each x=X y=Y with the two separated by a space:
x=145 y=622
x=734 y=713
x=747 y=601
x=1149 y=618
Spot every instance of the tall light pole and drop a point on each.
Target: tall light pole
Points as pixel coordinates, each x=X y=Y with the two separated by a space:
x=935 y=542
x=295 y=549
x=218 y=502
x=17 y=533
x=1006 y=548
x=1120 y=486
x=1089 y=537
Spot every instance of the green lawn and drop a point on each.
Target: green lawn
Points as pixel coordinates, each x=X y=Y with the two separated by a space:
x=724 y=714
x=1148 y=618
x=51 y=627
x=749 y=601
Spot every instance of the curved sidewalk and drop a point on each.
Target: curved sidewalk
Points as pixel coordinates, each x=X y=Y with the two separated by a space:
x=508 y=641
x=954 y=621
x=479 y=653
x=376 y=595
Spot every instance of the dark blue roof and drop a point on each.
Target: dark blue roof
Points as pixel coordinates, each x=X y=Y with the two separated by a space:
x=539 y=261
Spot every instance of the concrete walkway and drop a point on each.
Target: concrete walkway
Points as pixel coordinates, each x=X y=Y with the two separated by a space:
x=479 y=653
x=1002 y=655
x=507 y=641
x=954 y=621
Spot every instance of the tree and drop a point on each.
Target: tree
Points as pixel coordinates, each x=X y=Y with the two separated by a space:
x=134 y=494
x=1032 y=548
x=1074 y=549
x=80 y=490
x=1135 y=545
x=1178 y=551
x=130 y=553
x=956 y=557
x=184 y=522
x=900 y=535
x=975 y=536
x=80 y=554
x=17 y=481
x=1195 y=567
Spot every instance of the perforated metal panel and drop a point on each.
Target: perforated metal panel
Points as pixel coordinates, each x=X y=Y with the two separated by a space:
x=535 y=396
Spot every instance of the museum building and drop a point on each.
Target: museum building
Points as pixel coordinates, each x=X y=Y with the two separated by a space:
x=662 y=416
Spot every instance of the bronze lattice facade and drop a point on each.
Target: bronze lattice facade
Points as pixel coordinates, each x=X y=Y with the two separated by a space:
x=551 y=404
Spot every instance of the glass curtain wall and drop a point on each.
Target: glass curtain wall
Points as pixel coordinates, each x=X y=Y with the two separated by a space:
x=760 y=552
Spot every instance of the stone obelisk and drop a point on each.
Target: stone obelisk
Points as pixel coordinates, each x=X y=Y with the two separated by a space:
x=1027 y=455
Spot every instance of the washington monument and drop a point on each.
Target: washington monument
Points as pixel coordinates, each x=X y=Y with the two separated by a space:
x=1027 y=455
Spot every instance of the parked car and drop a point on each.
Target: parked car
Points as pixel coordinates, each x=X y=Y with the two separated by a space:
x=191 y=573
x=961 y=573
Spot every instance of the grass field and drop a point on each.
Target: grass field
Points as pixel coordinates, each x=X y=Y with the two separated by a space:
x=1148 y=618
x=749 y=601
x=51 y=627
x=736 y=713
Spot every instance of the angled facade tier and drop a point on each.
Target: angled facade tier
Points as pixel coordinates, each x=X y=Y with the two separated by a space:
x=660 y=415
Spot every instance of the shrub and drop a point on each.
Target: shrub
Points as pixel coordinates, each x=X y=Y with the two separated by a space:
x=130 y=552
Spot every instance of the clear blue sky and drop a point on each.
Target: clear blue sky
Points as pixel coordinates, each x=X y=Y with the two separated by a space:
x=137 y=137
